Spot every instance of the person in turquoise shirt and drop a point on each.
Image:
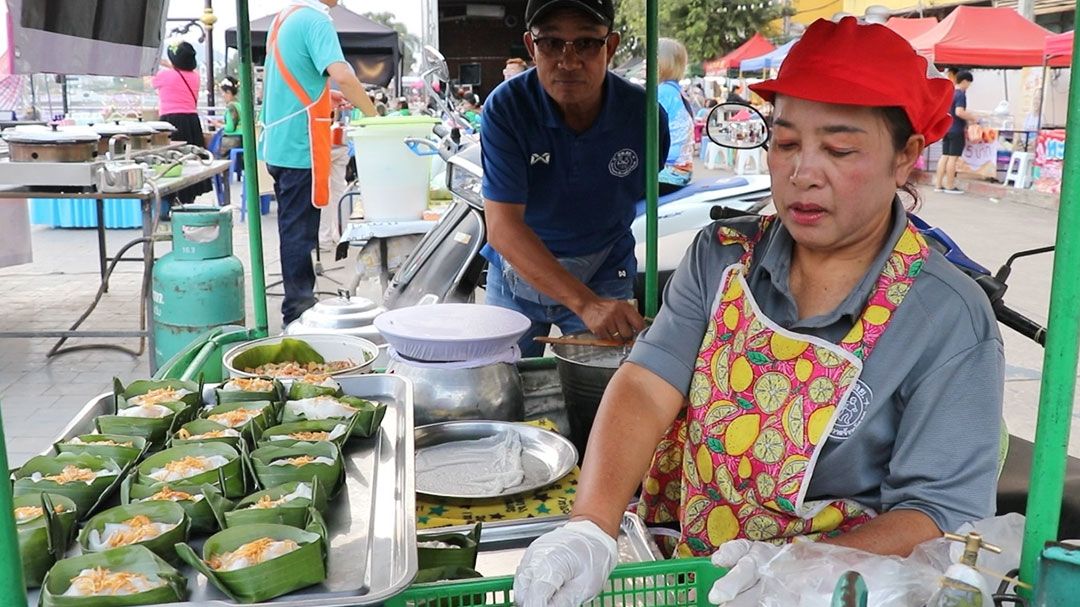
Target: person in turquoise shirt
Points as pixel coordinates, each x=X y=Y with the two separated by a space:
x=304 y=42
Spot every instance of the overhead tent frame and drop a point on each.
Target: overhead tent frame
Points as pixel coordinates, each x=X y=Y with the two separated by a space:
x=376 y=47
x=1057 y=390
x=985 y=37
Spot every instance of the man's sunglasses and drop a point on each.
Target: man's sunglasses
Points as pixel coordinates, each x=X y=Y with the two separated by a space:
x=556 y=47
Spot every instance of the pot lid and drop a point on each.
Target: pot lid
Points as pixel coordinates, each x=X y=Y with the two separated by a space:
x=39 y=133
x=122 y=128
x=159 y=125
x=341 y=313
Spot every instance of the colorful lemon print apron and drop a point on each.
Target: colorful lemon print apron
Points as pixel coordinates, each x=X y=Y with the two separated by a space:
x=763 y=400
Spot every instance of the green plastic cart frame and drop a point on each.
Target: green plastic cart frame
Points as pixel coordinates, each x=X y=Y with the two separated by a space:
x=1057 y=390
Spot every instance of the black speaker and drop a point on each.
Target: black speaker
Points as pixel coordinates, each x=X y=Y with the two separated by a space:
x=469 y=73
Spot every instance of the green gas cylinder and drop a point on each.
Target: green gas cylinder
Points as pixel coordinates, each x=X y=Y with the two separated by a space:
x=200 y=284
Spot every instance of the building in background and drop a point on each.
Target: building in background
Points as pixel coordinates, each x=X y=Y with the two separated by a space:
x=478 y=37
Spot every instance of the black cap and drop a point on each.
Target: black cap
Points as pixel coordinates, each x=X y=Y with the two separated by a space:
x=182 y=56
x=601 y=10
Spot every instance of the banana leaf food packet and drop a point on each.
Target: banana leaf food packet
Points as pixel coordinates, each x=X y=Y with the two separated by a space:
x=254 y=563
x=274 y=465
x=238 y=389
x=151 y=409
x=286 y=504
x=157 y=525
x=434 y=550
x=196 y=464
x=121 y=449
x=291 y=358
x=43 y=525
x=249 y=418
x=85 y=479
x=206 y=431
x=336 y=431
x=369 y=414
x=312 y=385
x=200 y=502
x=121 y=577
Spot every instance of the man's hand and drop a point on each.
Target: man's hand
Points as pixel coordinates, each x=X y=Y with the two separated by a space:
x=611 y=319
x=338 y=100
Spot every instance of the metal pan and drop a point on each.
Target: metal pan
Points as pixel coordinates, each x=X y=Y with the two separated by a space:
x=371 y=523
x=502 y=544
x=546 y=456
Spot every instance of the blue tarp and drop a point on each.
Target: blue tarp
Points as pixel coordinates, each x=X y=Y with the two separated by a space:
x=769 y=60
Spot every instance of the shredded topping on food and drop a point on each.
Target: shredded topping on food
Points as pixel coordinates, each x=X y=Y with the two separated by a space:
x=134 y=530
x=303 y=460
x=310 y=436
x=103 y=443
x=235 y=418
x=29 y=513
x=303 y=490
x=100 y=581
x=266 y=502
x=184 y=434
x=185 y=467
x=314 y=378
x=73 y=474
x=252 y=553
x=169 y=495
x=299 y=370
x=252 y=384
x=159 y=395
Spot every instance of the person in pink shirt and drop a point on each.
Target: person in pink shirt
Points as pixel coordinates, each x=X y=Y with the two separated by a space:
x=177 y=84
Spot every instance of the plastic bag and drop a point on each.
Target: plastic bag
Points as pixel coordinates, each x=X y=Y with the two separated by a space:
x=804 y=574
x=1005 y=532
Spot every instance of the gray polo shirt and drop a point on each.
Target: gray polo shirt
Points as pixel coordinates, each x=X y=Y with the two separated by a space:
x=921 y=429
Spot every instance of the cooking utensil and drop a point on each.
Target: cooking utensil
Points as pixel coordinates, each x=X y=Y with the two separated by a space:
x=440 y=394
x=40 y=143
x=331 y=347
x=546 y=456
x=584 y=372
x=121 y=176
x=451 y=331
x=595 y=342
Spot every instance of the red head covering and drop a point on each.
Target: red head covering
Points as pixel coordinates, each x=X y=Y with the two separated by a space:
x=867 y=65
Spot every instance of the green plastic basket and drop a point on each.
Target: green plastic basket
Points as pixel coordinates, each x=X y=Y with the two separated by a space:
x=673 y=583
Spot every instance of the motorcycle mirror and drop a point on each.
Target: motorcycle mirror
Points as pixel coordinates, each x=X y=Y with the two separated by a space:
x=738 y=126
x=438 y=63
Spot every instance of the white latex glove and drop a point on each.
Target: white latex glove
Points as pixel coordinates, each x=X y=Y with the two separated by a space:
x=742 y=558
x=566 y=567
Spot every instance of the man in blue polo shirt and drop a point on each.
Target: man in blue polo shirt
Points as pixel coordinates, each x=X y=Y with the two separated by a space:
x=563 y=158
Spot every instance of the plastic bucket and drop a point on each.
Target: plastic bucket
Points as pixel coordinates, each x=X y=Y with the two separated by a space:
x=393 y=180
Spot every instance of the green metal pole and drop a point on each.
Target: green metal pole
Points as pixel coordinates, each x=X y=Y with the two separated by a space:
x=1059 y=361
x=11 y=579
x=251 y=168
x=652 y=156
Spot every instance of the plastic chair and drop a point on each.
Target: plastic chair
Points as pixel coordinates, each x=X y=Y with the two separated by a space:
x=1019 y=170
x=214 y=148
x=264 y=203
x=236 y=162
x=743 y=158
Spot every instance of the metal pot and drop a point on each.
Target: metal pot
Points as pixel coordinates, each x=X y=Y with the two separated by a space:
x=51 y=144
x=584 y=372
x=490 y=392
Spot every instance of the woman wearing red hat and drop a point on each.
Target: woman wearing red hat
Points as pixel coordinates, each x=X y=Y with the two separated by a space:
x=821 y=373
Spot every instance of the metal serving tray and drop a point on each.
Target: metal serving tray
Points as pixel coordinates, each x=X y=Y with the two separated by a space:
x=502 y=544
x=372 y=538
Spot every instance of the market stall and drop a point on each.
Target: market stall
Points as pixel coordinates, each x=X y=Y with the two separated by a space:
x=756 y=46
x=911 y=27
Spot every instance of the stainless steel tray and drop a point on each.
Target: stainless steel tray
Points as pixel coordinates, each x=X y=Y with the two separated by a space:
x=502 y=544
x=372 y=522
x=546 y=456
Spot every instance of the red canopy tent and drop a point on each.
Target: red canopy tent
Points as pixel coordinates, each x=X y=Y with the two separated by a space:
x=912 y=28
x=754 y=47
x=985 y=37
x=1059 y=45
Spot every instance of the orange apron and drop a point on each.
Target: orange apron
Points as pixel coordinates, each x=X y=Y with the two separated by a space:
x=319 y=114
x=763 y=401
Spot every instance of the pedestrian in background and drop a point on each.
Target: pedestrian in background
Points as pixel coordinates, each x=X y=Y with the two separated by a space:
x=514 y=66
x=679 y=163
x=177 y=85
x=231 y=136
x=952 y=146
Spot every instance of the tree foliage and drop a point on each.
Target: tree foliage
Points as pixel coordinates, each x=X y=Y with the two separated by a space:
x=410 y=43
x=708 y=28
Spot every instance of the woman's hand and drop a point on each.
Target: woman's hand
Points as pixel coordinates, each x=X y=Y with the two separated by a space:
x=566 y=567
x=742 y=559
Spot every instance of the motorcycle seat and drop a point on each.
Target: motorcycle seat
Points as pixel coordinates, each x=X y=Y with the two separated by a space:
x=695 y=187
x=1013 y=484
